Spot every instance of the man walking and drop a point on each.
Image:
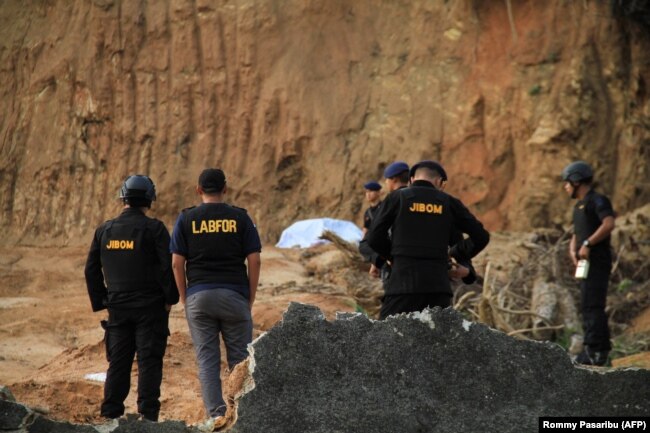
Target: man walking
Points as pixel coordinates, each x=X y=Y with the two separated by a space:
x=130 y=253
x=211 y=244
x=421 y=219
x=593 y=222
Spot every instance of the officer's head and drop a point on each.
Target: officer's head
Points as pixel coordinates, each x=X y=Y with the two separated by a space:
x=396 y=175
x=431 y=171
x=372 y=191
x=212 y=181
x=575 y=175
x=138 y=191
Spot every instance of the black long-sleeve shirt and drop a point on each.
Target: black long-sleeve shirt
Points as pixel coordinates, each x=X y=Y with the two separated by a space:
x=422 y=220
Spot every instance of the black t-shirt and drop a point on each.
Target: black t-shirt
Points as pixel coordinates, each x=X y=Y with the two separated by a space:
x=215 y=239
x=588 y=215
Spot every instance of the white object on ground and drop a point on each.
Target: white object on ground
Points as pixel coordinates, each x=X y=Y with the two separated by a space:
x=97 y=377
x=305 y=233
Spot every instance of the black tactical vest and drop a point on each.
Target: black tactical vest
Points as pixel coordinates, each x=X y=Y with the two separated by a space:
x=214 y=233
x=127 y=256
x=423 y=224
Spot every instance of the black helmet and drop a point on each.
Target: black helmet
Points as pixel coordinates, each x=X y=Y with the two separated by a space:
x=138 y=190
x=577 y=171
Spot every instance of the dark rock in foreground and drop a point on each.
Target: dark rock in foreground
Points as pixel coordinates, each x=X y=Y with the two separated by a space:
x=17 y=418
x=425 y=372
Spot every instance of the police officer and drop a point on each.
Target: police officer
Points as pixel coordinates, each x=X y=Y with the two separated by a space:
x=593 y=222
x=458 y=271
x=211 y=245
x=373 y=197
x=396 y=176
x=130 y=254
x=421 y=219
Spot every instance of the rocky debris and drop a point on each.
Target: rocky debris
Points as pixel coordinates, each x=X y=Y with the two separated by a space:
x=428 y=371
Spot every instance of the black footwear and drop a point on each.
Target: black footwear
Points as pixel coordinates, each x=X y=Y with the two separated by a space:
x=592 y=357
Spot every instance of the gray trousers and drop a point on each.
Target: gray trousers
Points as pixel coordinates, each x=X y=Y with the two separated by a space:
x=208 y=314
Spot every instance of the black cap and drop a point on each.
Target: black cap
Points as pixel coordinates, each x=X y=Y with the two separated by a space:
x=212 y=180
x=372 y=186
x=395 y=169
x=433 y=165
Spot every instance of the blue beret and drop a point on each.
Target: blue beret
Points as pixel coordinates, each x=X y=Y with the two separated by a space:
x=433 y=165
x=395 y=169
x=372 y=186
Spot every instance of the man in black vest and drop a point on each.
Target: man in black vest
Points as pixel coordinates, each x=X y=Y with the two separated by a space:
x=211 y=244
x=593 y=222
x=130 y=254
x=421 y=219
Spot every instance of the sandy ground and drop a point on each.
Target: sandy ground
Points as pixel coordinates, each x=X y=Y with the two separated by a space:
x=50 y=339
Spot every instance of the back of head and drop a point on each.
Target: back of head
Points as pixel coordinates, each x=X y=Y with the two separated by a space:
x=429 y=169
x=212 y=180
x=138 y=191
x=578 y=172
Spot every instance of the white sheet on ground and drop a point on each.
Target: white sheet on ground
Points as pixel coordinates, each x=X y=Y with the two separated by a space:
x=305 y=233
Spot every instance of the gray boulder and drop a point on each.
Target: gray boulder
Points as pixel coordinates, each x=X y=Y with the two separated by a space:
x=423 y=372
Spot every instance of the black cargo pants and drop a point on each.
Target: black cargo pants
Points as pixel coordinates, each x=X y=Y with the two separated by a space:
x=129 y=331
x=593 y=299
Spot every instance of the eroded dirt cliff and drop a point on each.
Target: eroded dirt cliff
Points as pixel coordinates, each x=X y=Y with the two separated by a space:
x=302 y=101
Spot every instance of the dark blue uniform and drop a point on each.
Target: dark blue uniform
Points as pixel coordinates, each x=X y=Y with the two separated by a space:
x=588 y=215
x=421 y=220
x=130 y=253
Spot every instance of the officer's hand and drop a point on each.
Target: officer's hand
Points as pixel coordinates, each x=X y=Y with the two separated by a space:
x=584 y=252
x=574 y=258
x=374 y=271
x=168 y=308
x=458 y=272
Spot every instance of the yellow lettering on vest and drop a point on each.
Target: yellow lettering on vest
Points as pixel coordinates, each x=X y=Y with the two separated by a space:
x=115 y=244
x=426 y=208
x=215 y=226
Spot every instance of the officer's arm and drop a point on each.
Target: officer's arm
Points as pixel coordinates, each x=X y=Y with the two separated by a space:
x=161 y=240
x=94 y=276
x=178 y=266
x=369 y=254
x=466 y=222
x=378 y=238
x=254 y=262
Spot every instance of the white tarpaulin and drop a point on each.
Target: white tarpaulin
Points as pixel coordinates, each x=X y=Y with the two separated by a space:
x=305 y=233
